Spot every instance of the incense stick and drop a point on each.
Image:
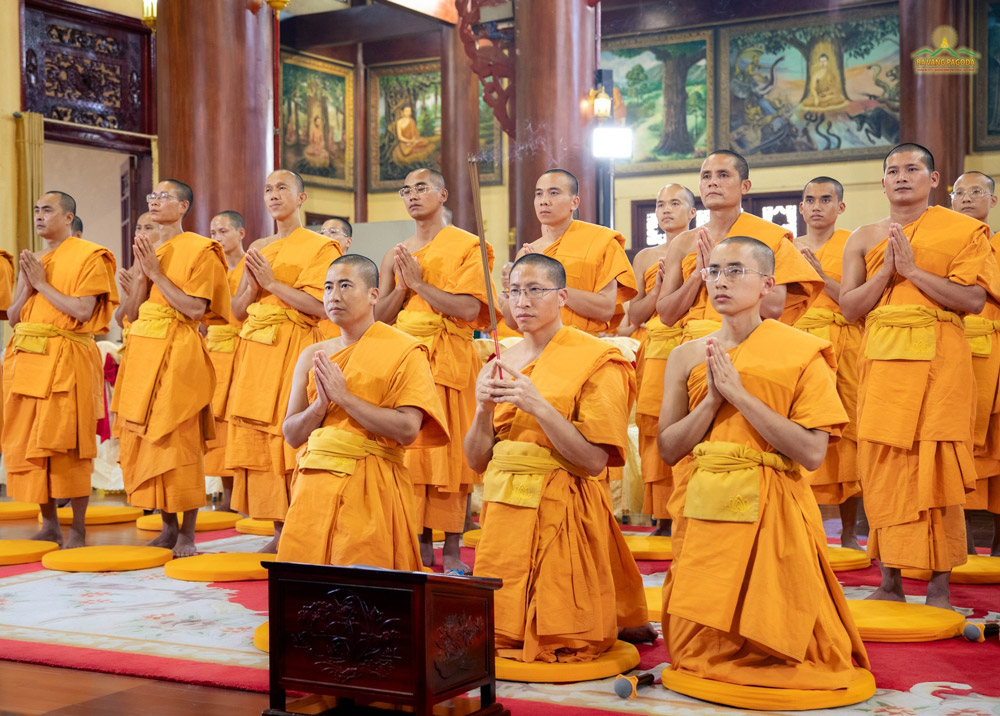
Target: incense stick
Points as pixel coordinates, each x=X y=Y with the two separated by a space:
x=474 y=181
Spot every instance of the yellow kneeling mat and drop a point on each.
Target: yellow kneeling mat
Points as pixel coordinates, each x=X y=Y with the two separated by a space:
x=762 y=698
x=843 y=559
x=208 y=521
x=107 y=558
x=650 y=547
x=23 y=551
x=220 y=567
x=472 y=537
x=100 y=515
x=262 y=637
x=17 y=510
x=250 y=526
x=620 y=658
x=980 y=569
x=903 y=622
x=654 y=603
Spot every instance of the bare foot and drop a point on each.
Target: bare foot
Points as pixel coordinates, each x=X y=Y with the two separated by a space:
x=166 y=539
x=77 y=538
x=662 y=528
x=850 y=542
x=451 y=554
x=885 y=595
x=938 y=591
x=639 y=634
x=454 y=564
x=49 y=533
x=186 y=547
x=970 y=543
x=271 y=547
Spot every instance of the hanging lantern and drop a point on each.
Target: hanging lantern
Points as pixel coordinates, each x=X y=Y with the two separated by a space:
x=149 y=14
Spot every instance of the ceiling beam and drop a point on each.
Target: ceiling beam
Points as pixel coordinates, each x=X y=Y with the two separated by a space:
x=367 y=23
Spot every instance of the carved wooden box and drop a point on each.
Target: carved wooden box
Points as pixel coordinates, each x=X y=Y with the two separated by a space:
x=371 y=635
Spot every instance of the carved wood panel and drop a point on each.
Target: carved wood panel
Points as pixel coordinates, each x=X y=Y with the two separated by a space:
x=86 y=66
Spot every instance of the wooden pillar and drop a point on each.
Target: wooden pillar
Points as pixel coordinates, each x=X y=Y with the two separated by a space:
x=459 y=126
x=214 y=92
x=935 y=108
x=360 y=136
x=556 y=59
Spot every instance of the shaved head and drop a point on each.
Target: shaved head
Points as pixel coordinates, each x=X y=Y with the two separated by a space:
x=989 y=180
x=742 y=168
x=184 y=193
x=925 y=154
x=76 y=227
x=297 y=183
x=574 y=184
x=365 y=267
x=434 y=177
x=235 y=218
x=687 y=193
x=552 y=268
x=837 y=186
x=760 y=251
x=66 y=202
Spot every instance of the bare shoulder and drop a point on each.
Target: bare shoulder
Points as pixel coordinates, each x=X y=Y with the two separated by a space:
x=683 y=244
x=262 y=242
x=865 y=237
x=646 y=258
x=686 y=356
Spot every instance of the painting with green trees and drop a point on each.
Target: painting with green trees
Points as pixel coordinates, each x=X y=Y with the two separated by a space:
x=792 y=89
x=404 y=122
x=663 y=92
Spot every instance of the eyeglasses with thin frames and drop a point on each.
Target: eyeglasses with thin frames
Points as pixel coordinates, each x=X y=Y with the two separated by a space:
x=332 y=232
x=971 y=193
x=419 y=189
x=532 y=292
x=733 y=273
x=162 y=196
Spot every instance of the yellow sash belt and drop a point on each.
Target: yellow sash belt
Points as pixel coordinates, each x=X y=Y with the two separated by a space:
x=154 y=320
x=34 y=337
x=264 y=319
x=725 y=483
x=518 y=469
x=699 y=328
x=338 y=450
x=817 y=321
x=221 y=339
x=424 y=325
x=662 y=339
x=979 y=333
x=905 y=332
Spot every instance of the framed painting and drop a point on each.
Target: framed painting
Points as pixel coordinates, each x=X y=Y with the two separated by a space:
x=317 y=119
x=490 y=146
x=822 y=88
x=986 y=100
x=664 y=92
x=404 y=122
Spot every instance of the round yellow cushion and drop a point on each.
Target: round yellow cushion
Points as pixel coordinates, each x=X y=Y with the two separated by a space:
x=762 y=698
x=208 y=520
x=22 y=551
x=618 y=659
x=262 y=637
x=903 y=622
x=222 y=567
x=843 y=559
x=107 y=558
x=17 y=510
x=250 y=526
x=980 y=569
x=654 y=603
x=437 y=535
x=100 y=515
x=471 y=538
x=650 y=547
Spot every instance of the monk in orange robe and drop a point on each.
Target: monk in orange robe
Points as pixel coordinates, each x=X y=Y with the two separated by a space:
x=6 y=295
x=750 y=597
x=356 y=402
x=724 y=181
x=974 y=195
x=674 y=213
x=545 y=434
x=163 y=395
x=279 y=300
x=837 y=481
x=433 y=288
x=229 y=229
x=915 y=274
x=150 y=230
x=53 y=379
x=599 y=277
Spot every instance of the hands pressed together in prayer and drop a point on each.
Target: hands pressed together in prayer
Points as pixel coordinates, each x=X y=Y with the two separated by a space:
x=513 y=388
x=898 y=253
x=32 y=270
x=331 y=385
x=724 y=382
x=260 y=275
x=125 y=280
x=704 y=250
x=813 y=261
x=409 y=275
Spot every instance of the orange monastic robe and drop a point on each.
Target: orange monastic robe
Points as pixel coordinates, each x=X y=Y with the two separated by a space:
x=790 y=269
x=650 y=364
x=221 y=342
x=563 y=598
x=163 y=396
x=441 y=477
x=272 y=337
x=915 y=415
x=328 y=328
x=352 y=500
x=6 y=296
x=53 y=381
x=837 y=479
x=983 y=333
x=593 y=257
x=755 y=602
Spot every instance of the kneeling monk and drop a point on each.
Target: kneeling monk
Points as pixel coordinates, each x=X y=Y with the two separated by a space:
x=355 y=401
x=545 y=433
x=750 y=598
